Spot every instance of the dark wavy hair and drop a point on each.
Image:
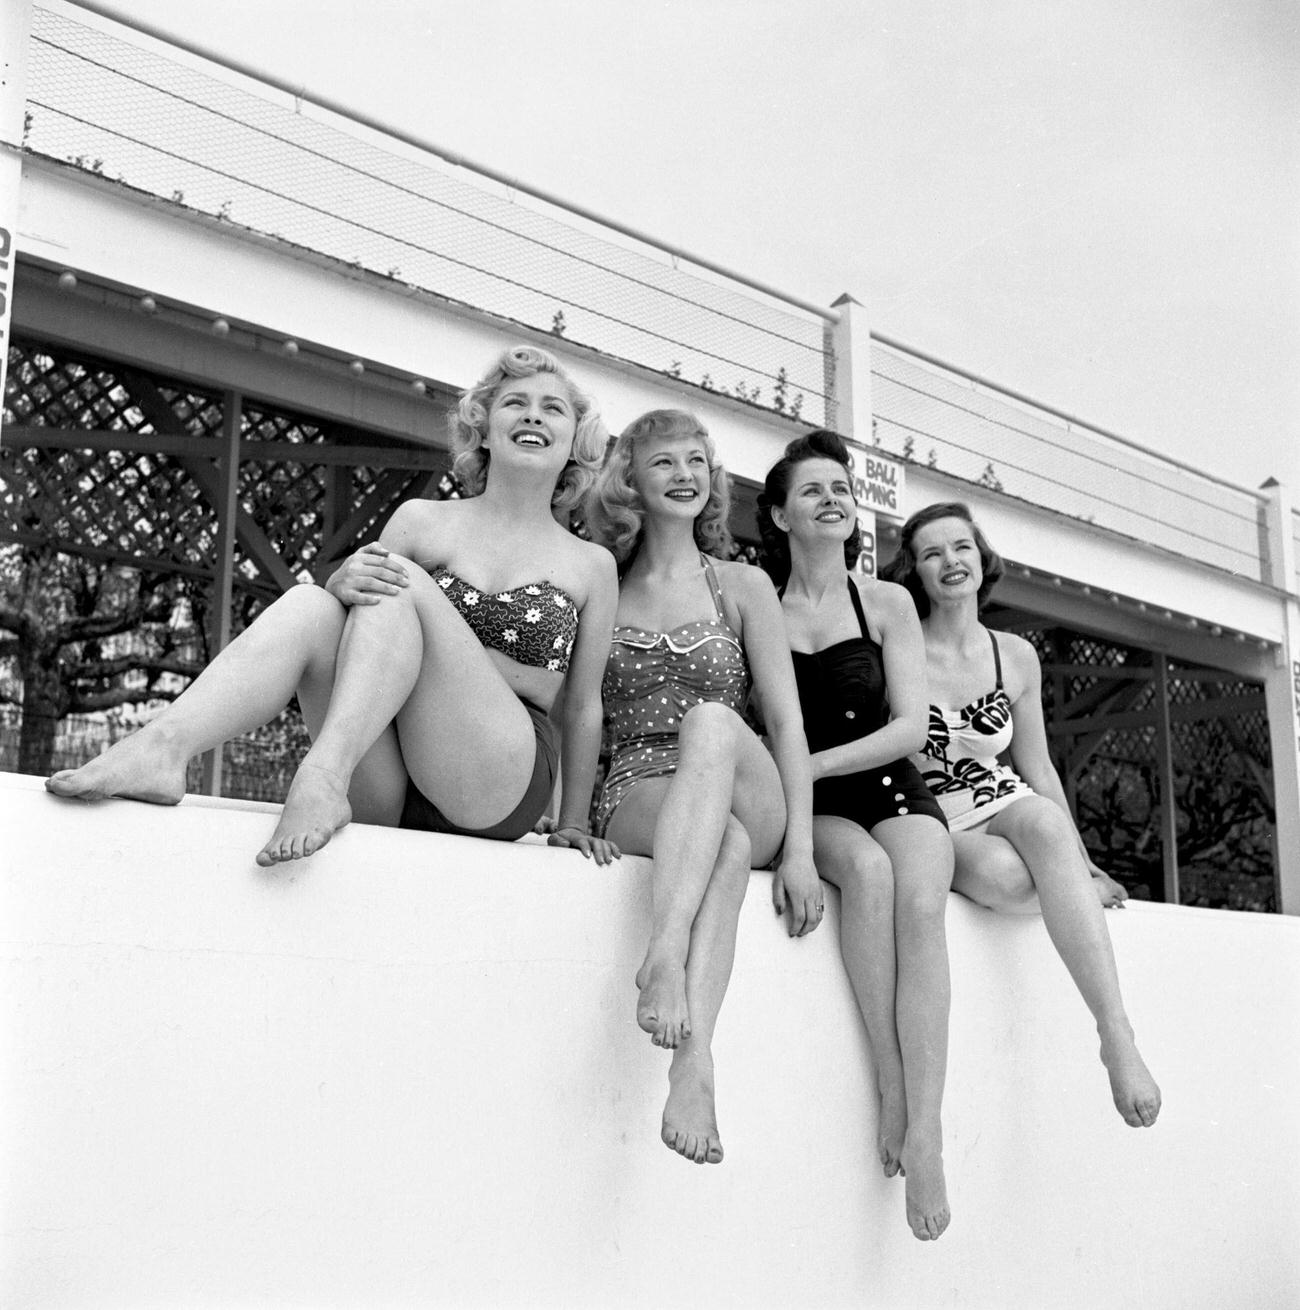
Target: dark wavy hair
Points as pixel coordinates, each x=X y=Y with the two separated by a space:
x=902 y=568
x=613 y=510
x=821 y=444
x=468 y=424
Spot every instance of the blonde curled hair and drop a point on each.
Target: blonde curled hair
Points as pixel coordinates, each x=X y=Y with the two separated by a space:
x=469 y=422
x=613 y=509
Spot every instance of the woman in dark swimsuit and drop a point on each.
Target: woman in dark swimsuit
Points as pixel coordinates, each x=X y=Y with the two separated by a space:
x=427 y=666
x=1010 y=822
x=689 y=782
x=878 y=834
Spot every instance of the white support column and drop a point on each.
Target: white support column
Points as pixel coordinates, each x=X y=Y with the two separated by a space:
x=15 y=33
x=848 y=392
x=848 y=400
x=1282 y=695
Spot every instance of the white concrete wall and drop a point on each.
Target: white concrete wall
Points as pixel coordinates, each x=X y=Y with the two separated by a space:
x=408 y=1073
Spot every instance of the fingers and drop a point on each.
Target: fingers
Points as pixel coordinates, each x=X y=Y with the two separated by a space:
x=778 y=893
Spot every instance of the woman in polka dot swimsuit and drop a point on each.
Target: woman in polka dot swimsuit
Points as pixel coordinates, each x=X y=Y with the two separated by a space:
x=878 y=834
x=428 y=697
x=1013 y=833
x=689 y=782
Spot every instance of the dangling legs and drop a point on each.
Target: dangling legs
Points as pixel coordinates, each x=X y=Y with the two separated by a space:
x=847 y=856
x=690 y=1124
x=1044 y=839
x=921 y=854
x=291 y=644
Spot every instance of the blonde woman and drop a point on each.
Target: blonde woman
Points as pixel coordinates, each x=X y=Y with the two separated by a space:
x=428 y=665
x=690 y=783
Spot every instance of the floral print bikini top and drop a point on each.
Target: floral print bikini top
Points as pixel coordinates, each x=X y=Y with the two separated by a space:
x=536 y=624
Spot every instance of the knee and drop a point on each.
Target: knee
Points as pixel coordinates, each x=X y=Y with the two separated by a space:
x=314 y=608
x=1038 y=820
x=707 y=735
x=866 y=876
x=999 y=880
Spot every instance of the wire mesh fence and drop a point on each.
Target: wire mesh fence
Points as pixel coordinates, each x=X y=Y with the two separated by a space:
x=941 y=419
x=118 y=104
x=290 y=170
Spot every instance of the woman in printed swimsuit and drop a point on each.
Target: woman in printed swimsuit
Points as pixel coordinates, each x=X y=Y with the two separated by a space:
x=1012 y=831
x=427 y=666
x=878 y=834
x=689 y=782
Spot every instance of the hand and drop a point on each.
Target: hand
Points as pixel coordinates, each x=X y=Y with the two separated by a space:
x=1112 y=894
x=367 y=576
x=795 y=884
x=579 y=839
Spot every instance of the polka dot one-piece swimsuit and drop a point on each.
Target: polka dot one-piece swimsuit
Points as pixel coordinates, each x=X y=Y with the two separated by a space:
x=652 y=679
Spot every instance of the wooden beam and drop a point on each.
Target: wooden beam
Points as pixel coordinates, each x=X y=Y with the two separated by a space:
x=1165 y=767
x=227 y=508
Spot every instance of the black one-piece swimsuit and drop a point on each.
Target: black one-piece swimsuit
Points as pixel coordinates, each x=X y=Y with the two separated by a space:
x=843 y=697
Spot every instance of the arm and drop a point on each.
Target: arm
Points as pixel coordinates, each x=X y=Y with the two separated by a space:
x=1029 y=751
x=368 y=575
x=582 y=711
x=909 y=702
x=763 y=632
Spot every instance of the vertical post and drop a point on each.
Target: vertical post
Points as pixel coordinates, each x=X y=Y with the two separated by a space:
x=1282 y=696
x=848 y=371
x=15 y=41
x=848 y=398
x=1165 y=766
x=224 y=570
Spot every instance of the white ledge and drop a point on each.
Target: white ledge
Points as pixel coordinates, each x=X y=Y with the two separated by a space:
x=407 y=1072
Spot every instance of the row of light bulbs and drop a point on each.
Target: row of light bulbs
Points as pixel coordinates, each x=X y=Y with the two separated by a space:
x=220 y=327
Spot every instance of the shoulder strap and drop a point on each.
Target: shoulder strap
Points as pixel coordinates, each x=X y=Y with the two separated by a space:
x=714 y=590
x=857 y=606
x=997 y=660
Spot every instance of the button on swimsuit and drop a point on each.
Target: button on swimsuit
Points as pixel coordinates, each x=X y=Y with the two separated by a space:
x=652 y=679
x=843 y=698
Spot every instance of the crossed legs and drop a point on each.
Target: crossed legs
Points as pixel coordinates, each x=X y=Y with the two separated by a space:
x=704 y=826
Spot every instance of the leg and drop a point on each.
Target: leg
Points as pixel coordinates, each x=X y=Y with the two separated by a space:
x=292 y=644
x=690 y=1124
x=722 y=768
x=991 y=873
x=921 y=854
x=1044 y=838
x=412 y=659
x=847 y=856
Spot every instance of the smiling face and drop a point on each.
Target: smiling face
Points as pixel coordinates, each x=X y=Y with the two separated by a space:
x=534 y=417
x=819 y=505
x=671 y=475
x=947 y=560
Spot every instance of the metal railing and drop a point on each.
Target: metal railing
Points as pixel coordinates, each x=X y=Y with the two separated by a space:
x=217 y=140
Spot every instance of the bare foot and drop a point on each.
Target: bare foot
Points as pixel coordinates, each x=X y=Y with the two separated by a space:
x=661 y=1009
x=1135 y=1093
x=146 y=766
x=927 y=1193
x=690 y=1125
x=1110 y=893
x=315 y=809
x=893 y=1129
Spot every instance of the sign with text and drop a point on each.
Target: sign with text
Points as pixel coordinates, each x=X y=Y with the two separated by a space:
x=878 y=482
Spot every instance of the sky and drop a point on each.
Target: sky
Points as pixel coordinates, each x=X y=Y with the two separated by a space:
x=1095 y=203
